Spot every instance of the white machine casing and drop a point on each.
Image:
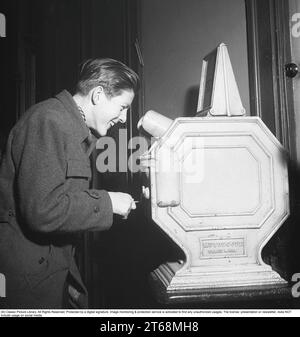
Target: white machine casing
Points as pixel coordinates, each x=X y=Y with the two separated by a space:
x=219 y=189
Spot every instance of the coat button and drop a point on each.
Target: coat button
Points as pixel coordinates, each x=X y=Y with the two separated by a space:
x=41 y=260
x=10 y=213
x=96 y=209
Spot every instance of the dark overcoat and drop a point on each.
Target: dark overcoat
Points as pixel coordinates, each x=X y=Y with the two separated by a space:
x=45 y=201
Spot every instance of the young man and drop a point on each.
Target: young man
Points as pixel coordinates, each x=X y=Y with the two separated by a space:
x=44 y=187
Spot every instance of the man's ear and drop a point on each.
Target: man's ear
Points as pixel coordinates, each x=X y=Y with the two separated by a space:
x=96 y=94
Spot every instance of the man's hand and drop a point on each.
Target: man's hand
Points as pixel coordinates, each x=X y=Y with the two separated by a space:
x=122 y=203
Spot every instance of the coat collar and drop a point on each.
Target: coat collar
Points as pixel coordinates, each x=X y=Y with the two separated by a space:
x=79 y=128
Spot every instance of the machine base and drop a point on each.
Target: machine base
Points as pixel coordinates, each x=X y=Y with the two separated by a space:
x=172 y=286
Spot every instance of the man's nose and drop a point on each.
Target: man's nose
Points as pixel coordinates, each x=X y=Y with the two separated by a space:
x=123 y=116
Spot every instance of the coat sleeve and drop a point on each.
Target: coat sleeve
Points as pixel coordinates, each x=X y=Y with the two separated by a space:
x=47 y=202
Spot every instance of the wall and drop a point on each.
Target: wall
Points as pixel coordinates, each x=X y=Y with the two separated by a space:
x=176 y=35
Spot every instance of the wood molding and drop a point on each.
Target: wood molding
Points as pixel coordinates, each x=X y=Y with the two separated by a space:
x=253 y=58
x=271 y=95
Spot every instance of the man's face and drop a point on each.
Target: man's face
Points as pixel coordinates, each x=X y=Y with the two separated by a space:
x=108 y=111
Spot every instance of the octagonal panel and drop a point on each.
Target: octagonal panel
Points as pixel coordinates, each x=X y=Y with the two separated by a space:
x=230 y=182
x=232 y=174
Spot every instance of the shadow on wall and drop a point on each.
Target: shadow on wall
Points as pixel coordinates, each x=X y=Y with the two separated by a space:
x=191 y=101
x=282 y=251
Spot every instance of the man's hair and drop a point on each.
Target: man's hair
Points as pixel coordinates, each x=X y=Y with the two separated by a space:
x=112 y=75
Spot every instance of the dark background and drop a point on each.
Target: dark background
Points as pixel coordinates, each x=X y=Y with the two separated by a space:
x=44 y=45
